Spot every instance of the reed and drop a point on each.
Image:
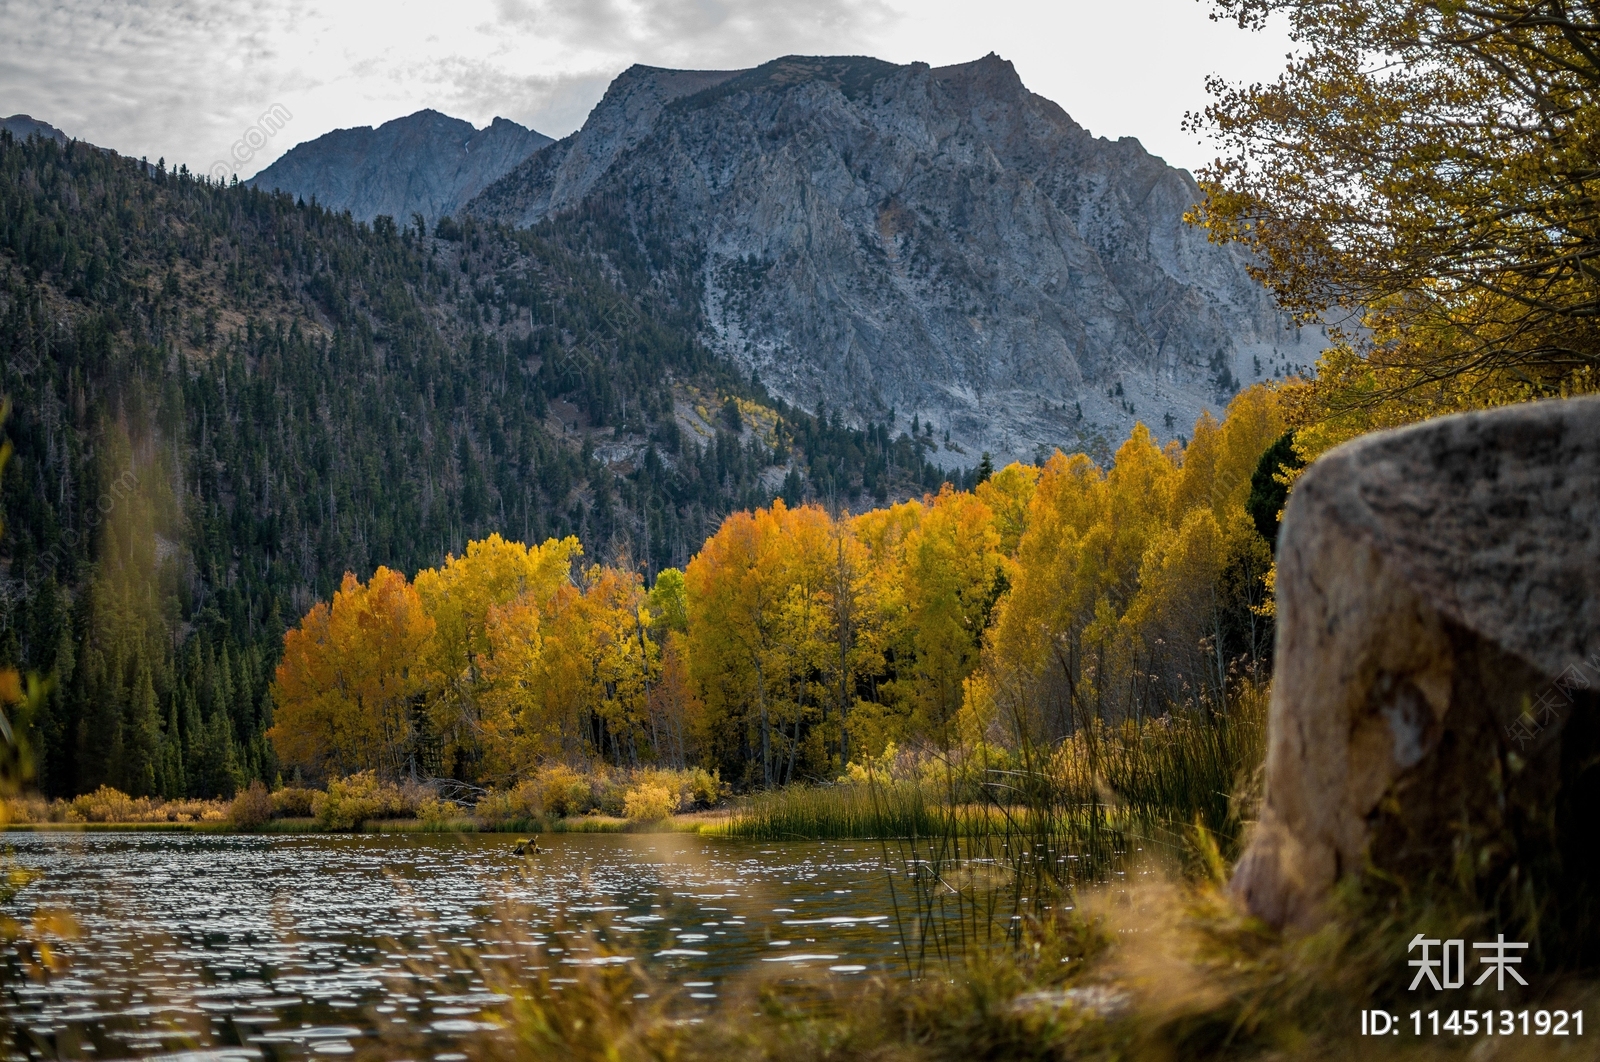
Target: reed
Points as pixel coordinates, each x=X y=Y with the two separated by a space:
x=1170 y=772
x=850 y=811
x=982 y=838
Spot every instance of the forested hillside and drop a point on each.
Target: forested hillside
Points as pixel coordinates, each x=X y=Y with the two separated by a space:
x=224 y=400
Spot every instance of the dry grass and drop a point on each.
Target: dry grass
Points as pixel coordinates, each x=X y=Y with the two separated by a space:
x=1158 y=971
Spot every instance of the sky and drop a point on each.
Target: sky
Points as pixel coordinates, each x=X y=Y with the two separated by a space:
x=190 y=81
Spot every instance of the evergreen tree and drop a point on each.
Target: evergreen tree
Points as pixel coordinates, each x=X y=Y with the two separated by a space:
x=174 y=784
x=143 y=751
x=194 y=743
x=363 y=413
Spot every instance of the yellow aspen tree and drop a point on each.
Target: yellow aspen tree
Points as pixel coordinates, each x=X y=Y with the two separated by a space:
x=459 y=596
x=951 y=569
x=734 y=588
x=351 y=678
x=1008 y=493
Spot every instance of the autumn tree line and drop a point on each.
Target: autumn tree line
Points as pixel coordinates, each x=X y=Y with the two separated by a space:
x=798 y=640
x=224 y=399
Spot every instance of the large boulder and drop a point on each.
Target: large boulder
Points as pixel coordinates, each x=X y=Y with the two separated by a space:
x=1437 y=662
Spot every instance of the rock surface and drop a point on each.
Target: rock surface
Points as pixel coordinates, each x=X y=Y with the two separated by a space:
x=426 y=163
x=937 y=242
x=23 y=126
x=1438 y=652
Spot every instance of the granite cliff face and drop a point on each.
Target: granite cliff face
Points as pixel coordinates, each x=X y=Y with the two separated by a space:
x=427 y=163
x=938 y=242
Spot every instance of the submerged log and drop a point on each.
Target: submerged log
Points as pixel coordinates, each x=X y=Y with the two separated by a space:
x=1433 y=710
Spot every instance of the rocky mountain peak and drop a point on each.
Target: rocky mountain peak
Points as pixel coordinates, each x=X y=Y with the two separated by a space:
x=898 y=240
x=23 y=126
x=427 y=163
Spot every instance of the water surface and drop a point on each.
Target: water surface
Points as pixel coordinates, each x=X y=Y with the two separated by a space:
x=297 y=946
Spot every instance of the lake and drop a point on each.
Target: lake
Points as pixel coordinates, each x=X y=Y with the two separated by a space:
x=218 y=947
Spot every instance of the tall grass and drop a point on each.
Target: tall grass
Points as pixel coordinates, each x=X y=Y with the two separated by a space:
x=894 y=809
x=981 y=839
x=1189 y=767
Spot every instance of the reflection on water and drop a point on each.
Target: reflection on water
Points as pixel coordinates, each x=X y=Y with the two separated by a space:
x=223 y=947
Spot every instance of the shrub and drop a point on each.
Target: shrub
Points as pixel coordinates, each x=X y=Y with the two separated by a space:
x=105 y=805
x=353 y=800
x=435 y=813
x=292 y=802
x=611 y=795
x=705 y=788
x=563 y=791
x=251 y=807
x=502 y=807
x=649 y=802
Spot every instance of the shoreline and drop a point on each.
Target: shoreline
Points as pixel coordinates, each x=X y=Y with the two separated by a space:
x=703 y=823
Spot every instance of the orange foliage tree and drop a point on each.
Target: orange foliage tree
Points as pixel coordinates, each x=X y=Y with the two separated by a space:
x=350 y=685
x=797 y=641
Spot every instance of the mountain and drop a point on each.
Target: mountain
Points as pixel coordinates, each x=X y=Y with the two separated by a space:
x=23 y=126
x=426 y=163
x=224 y=399
x=932 y=246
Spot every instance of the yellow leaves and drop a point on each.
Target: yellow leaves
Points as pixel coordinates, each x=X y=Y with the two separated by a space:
x=1121 y=579
x=792 y=613
x=1255 y=420
x=512 y=678
x=571 y=668
x=795 y=642
x=493 y=572
x=349 y=675
x=667 y=601
x=515 y=663
x=952 y=576
x=32 y=945
x=649 y=802
x=754 y=609
x=1415 y=194
x=1007 y=494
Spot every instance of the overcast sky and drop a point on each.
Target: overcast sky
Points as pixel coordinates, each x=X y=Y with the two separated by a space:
x=186 y=79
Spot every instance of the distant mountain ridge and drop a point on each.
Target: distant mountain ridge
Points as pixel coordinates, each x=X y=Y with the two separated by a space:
x=426 y=163
x=895 y=243
x=941 y=243
x=23 y=126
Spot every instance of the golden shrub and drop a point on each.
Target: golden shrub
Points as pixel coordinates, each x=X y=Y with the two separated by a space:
x=348 y=802
x=292 y=802
x=252 y=807
x=563 y=791
x=649 y=802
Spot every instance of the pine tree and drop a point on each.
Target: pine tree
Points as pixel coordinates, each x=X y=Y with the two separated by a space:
x=173 y=782
x=143 y=752
x=194 y=744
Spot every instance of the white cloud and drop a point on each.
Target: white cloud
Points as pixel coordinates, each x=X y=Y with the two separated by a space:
x=186 y=79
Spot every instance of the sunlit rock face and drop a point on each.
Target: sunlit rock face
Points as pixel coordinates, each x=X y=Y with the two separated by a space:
x=1434 y=709
x=425 y=163
x=933 y=242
